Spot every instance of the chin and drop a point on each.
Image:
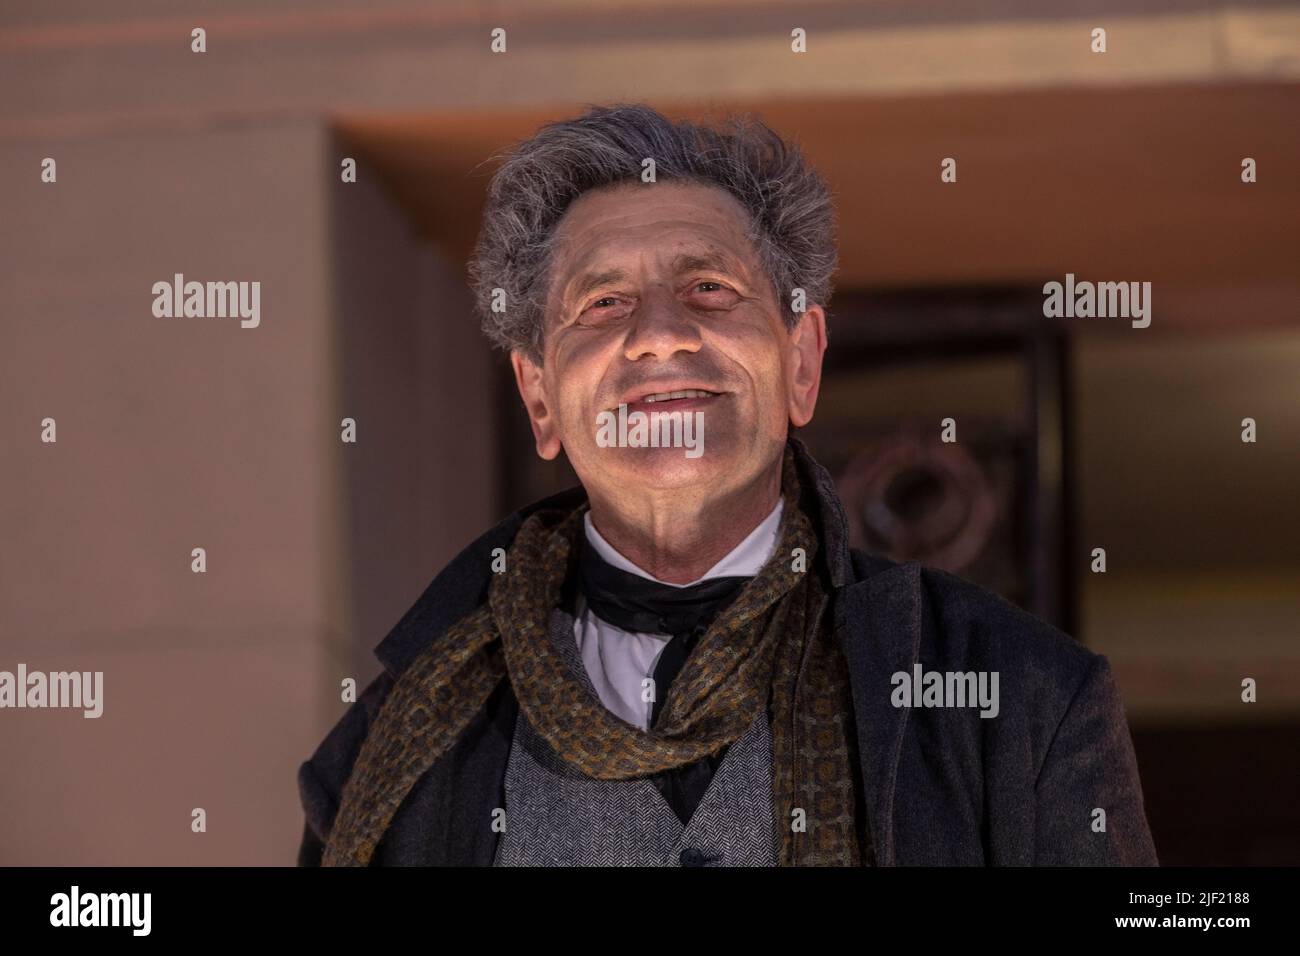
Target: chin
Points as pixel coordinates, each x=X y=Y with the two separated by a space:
x=658 y=468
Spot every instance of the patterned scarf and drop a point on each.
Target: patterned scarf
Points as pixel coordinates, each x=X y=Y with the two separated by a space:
x=768 y=648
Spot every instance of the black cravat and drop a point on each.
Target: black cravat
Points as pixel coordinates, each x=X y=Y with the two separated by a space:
x=635 y=603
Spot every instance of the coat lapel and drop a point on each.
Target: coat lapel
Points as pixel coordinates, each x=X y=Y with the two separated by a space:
x=878 y=625
x=877 y=621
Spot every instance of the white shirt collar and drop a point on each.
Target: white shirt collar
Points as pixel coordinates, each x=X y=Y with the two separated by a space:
x=744 y=560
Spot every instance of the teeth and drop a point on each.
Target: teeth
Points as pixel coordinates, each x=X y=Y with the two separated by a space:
x=681 y=393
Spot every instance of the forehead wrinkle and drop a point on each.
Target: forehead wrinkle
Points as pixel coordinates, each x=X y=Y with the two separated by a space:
x=709 y=261
x=728 y=222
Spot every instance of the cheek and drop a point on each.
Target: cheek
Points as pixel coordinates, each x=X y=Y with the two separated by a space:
x=746 y=341
x=764 y=357
x=575 y=409
x=774 y=387
x=581 y=353
x=579 y=367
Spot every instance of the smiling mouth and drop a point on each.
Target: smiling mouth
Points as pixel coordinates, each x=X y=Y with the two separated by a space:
x=680 y=393
x=681 y=397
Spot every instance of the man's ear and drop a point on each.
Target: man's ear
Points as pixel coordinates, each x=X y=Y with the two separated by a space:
x=807 y=346
x=530 y=380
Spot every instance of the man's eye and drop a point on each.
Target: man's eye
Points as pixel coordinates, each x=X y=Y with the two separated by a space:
x=700 y=285
x=601 y=310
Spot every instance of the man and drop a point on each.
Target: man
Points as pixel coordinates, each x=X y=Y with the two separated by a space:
x=682 y=662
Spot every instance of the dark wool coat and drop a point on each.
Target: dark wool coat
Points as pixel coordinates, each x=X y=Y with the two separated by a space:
x=942 y=785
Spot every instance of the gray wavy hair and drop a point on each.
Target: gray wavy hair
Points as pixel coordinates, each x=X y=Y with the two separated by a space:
x=792 y=219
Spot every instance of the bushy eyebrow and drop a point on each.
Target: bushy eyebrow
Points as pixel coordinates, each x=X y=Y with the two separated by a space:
x=594 y=280
x=685 y=262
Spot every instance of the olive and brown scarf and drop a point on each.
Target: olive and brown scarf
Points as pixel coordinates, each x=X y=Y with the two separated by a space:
x=768 y=648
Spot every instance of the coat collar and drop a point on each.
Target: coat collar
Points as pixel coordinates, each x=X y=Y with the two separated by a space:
x=823 y=504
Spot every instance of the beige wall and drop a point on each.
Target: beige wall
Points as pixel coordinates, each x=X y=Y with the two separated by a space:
x=414 y=371
x=186 y=432
x=172 y=434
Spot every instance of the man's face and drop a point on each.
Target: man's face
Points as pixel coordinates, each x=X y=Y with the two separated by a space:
x=655 y=289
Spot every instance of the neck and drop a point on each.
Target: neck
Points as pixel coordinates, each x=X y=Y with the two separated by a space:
x=678 y=537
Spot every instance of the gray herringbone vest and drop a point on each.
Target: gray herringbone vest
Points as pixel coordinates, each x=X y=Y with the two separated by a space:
x=558 y=816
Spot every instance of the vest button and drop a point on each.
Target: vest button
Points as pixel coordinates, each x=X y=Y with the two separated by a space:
x=691 y=857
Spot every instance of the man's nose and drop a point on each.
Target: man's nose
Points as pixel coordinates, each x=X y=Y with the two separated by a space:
x=661 y=327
